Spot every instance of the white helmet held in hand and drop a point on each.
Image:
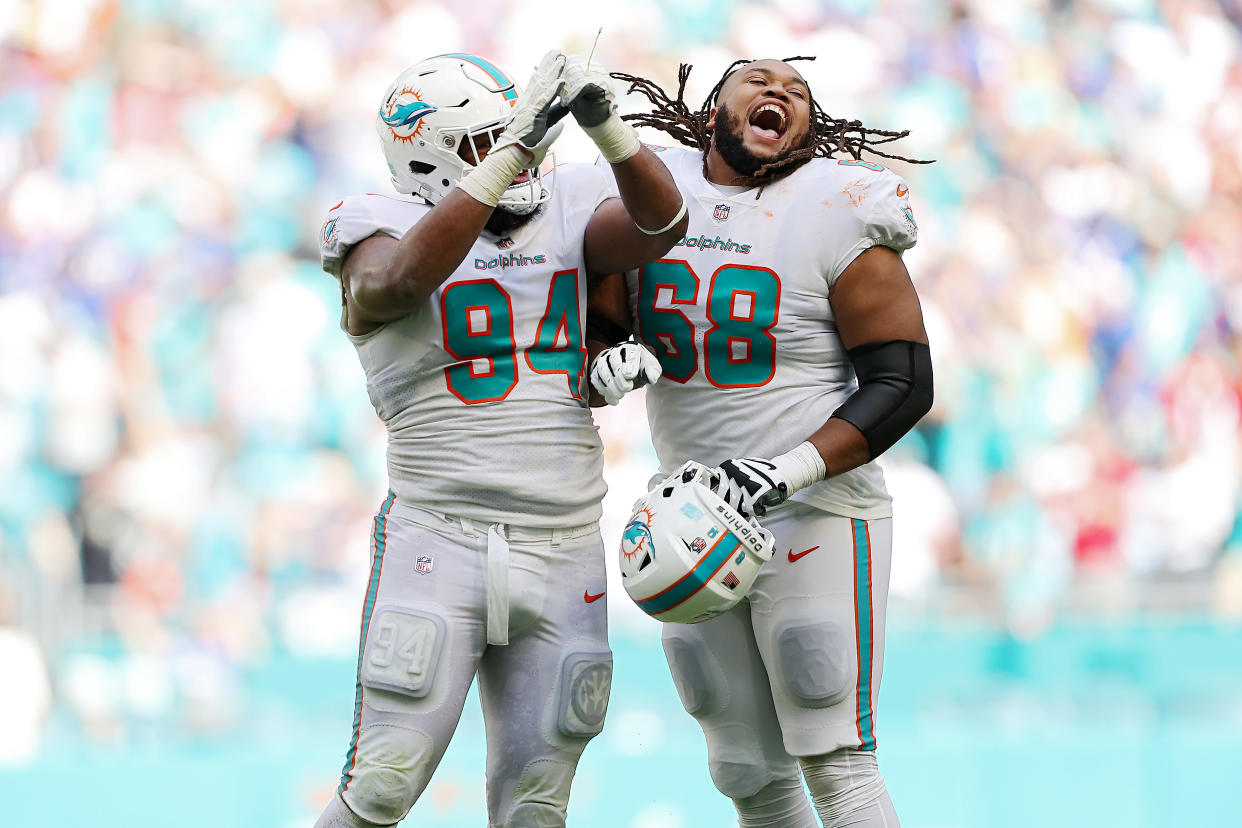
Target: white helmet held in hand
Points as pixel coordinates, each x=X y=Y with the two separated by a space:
x=435 y=106
x=686 y=555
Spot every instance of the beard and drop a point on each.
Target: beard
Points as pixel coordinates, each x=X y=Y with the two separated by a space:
x=503 y=223
x=728 y=135
x=728 y=141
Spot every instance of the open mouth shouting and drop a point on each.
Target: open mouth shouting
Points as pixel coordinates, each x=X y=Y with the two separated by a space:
x=769 y=121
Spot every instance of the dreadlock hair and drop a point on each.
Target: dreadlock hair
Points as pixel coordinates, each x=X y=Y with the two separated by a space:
x=828 y=137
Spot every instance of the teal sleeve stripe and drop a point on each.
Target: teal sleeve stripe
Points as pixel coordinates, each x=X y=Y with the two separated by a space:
x=865 y=629
x=694 y=580
x=502 y=81
x=379 y=537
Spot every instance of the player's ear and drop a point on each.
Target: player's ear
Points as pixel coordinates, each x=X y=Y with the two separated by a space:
x=711 y=118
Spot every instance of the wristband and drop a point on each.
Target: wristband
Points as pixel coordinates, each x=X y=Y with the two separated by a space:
x=800 y=467
x=616 y=139
x=487 y=182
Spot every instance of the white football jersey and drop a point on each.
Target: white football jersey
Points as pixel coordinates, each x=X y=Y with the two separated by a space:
x=482 y=390
x=738 y=314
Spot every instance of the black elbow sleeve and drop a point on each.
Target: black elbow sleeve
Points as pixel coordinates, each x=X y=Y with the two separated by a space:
x=894 y=391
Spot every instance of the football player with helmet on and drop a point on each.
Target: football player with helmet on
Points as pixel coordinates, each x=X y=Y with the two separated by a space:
x=786 y=347
x=464 y=294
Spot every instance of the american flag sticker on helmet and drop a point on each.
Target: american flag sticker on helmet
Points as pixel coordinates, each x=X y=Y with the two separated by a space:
x=730 y=580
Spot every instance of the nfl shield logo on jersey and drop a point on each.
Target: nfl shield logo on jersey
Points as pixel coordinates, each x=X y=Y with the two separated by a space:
x=721 y=213
x=424 y=564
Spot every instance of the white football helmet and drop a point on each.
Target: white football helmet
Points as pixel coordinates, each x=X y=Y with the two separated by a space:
x=686 y=555
x=431 y=109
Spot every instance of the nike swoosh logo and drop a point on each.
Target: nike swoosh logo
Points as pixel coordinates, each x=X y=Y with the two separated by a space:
x=793 y=557
x=902 y=191
x=589 y=598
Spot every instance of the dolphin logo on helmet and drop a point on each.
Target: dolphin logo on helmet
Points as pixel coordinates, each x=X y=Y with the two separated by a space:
x=637 y=545
x=401 y=116
x=435 y=108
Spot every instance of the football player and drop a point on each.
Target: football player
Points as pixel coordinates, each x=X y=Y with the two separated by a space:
x=793 y=353
x=464 y=294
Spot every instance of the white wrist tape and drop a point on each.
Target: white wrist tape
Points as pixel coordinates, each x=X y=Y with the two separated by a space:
x=616 y=139
x=668 y=226
x=487 y=182
x=800 y=467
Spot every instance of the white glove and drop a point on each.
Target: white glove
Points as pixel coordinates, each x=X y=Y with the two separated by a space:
x=532 y=128
x=753 y=485
x=525 y=140
x=620 y=369
x=689 y=474
x=589 y=95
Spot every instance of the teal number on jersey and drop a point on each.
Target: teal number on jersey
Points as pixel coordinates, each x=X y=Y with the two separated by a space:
x=742 y=305
x=667 y=330
x=558 y=342
x=478 y=326
x=742 y=302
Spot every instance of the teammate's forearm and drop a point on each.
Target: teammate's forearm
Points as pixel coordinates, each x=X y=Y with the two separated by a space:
x=594 y=398
x=651 y=197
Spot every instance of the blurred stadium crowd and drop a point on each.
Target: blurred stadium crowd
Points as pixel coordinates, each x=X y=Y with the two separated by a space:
x=188 y=460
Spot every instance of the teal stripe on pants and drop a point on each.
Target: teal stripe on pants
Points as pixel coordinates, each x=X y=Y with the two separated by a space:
x=379 y=535
x=864 y=623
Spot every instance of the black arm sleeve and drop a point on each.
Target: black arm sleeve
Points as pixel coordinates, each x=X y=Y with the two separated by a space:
x=602 y=329
x=894 y=391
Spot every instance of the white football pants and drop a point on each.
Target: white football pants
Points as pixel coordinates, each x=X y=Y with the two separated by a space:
x=449 y=598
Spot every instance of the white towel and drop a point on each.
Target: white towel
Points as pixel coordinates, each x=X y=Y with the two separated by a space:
x=497 y=585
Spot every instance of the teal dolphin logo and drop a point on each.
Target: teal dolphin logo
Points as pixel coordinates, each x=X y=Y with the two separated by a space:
x=403 y=113
x=637 y=547
x=408 y=114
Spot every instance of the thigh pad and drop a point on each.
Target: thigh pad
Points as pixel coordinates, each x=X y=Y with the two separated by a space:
x=403 y=650
x=816 y=667
x=697 y=675
x=586 y=681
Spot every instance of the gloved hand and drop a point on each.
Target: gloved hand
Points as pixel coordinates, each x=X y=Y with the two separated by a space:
x=534 y=128
x=620 y=369
x=588 y=91
x=524 y=142
x=589 y=95
x=751 y=485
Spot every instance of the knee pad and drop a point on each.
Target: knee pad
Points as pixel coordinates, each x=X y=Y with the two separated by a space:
x=392 y=767
x=736 y=761
x=402 y=651
x=542 y=795
x=842 y=782
x=586 y=681
x=697 y=675
x=815 y=664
